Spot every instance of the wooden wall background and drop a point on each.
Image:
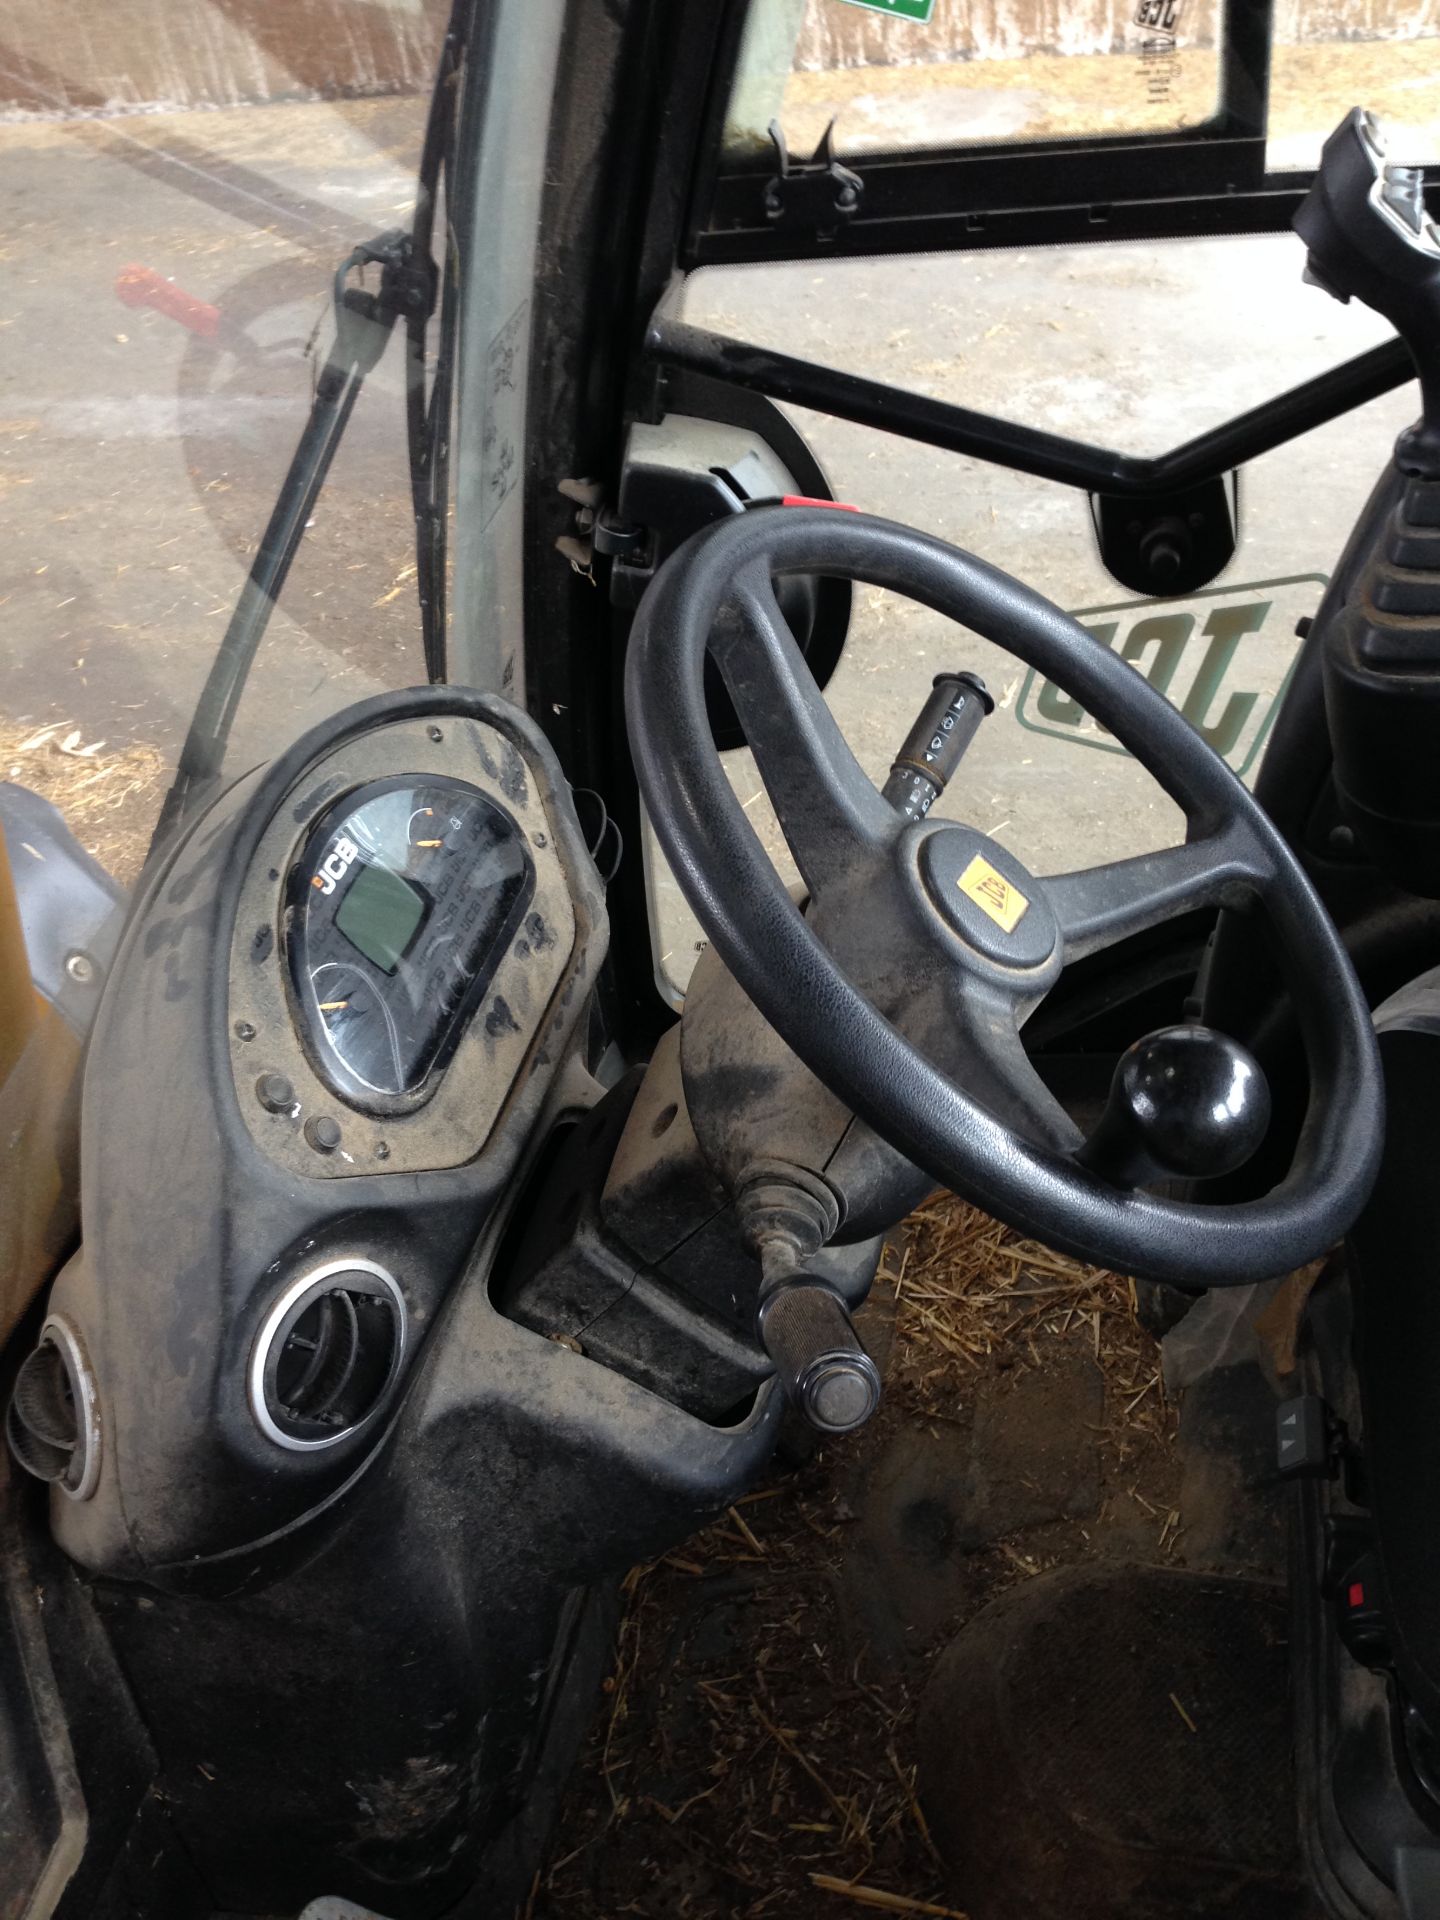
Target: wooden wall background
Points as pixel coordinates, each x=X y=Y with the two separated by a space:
x=836 y=34
x=61 y=57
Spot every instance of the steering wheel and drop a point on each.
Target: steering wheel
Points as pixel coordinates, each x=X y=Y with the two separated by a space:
x=901 y=991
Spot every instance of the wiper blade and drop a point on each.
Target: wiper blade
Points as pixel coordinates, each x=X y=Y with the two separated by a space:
x=428 y=416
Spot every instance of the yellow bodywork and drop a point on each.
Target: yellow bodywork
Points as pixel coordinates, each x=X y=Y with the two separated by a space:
x=39 y=1123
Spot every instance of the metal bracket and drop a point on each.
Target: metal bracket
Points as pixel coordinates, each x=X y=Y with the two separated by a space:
x=598 y=529
x=818 y=196
x=408 y=287
x=1172 y=543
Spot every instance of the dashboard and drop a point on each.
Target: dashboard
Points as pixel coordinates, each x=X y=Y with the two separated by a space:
x=338 y=1020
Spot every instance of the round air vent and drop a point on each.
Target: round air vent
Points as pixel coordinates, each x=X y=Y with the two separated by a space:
x=51 y=1425
x=327 y=1355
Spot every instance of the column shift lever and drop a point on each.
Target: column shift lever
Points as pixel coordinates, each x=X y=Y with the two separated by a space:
x=788 y=1215
x=935 y=745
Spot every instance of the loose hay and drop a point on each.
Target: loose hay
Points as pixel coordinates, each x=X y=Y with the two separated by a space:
x=109 y=797
x=969 y=1290
x=750 y=1759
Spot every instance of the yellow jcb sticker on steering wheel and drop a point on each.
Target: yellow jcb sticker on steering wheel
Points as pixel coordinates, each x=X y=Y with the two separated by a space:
x=993 y=893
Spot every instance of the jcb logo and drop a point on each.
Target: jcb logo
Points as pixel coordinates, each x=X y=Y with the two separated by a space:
x=993 y=894
x=335 y=865
x=1222 y=657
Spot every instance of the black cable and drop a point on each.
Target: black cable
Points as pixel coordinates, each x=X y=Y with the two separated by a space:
x=606 y=829
x=607 y=874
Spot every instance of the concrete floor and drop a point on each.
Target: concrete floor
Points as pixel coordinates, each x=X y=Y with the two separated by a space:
x=138 y=461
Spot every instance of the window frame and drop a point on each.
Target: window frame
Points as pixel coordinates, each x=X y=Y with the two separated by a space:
x=1206 y=180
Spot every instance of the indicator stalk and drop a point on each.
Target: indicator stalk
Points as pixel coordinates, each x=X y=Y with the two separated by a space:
x=936 y=744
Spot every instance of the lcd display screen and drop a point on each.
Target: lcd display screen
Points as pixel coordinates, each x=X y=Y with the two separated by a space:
x=380 y=915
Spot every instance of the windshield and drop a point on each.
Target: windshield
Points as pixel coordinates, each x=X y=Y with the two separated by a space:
x=179 y=201
x=1137 y=347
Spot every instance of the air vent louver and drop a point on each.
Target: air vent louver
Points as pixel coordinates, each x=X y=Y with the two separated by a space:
x=51 y=1425
x=327 y=1355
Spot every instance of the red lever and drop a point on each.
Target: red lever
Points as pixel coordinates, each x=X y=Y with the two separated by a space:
x=804 y=500
x=143 y=287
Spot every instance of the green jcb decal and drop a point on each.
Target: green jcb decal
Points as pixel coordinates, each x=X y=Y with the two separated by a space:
x=1200 y=653
x=903 y=9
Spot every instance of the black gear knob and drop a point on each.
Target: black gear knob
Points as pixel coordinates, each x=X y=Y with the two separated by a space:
x=1185 y=1103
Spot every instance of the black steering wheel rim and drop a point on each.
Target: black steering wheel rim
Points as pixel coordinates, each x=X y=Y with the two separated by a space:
x=777 y=958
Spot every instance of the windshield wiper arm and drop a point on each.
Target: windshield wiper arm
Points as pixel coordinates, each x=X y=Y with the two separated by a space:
x=363 y=323
x=409 y=286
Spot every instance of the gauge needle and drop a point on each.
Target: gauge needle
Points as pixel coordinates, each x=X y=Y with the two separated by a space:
x=424 y=813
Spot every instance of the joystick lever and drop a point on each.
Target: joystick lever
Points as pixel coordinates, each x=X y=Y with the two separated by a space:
x=1185 y=1103
x=821 y=1363
x=802 y=1321
x=1370 y=238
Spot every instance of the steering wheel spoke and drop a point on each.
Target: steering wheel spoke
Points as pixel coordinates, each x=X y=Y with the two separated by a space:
x=985 y=1055
x=1097 y=906
x=831 y=814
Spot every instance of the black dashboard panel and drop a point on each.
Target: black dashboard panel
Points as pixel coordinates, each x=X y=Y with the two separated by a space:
x=279 y=1203
x=344 y=1510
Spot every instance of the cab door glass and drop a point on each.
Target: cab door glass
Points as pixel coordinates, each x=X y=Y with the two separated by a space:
x=905 y=74
x=1330 y=55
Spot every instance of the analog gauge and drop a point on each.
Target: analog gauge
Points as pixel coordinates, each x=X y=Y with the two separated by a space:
x=427 y=829
x=401 y=904
x=354 y=1017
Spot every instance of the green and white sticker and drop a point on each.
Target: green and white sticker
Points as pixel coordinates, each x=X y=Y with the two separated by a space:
x=1223 y=656
x=903 y=9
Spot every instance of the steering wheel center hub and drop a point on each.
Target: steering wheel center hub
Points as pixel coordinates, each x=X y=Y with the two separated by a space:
x=986 y=897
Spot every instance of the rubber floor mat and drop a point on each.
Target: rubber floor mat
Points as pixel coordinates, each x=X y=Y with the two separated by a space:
x=1106 y=1743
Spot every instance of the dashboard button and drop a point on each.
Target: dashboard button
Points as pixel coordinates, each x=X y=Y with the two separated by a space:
x=322 y=1132
x=275 y=1093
